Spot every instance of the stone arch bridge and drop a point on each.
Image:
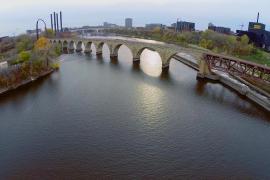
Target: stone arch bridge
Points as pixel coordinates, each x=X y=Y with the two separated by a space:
x=207 y=63
x=166 y=51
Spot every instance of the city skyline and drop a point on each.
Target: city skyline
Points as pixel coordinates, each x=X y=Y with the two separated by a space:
x=156 y=12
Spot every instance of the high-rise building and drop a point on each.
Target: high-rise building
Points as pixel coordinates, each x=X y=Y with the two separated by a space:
x=128 y=23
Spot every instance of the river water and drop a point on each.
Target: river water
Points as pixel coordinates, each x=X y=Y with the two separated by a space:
x=97 y=118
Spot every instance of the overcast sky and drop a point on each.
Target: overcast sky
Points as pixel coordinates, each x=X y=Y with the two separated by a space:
x=18 y=15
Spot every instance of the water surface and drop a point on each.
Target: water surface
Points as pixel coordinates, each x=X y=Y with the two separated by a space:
x=96 y=118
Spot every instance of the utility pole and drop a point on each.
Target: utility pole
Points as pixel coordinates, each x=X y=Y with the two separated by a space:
x=176 y=24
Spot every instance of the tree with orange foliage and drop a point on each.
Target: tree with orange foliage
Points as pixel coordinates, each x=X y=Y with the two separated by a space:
x=42 y=44
x=43 y=47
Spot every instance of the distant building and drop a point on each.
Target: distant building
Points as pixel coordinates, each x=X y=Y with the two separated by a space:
x=32 y=32
x=185 y=26
x=257 y=34
x=223 y=30
x=6 y=44
x=154 y=25
x=128 y=23
x=109 y=25
x=4 y=38
x=68 y=34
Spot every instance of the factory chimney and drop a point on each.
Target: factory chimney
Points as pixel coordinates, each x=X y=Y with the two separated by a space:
x=57 y=22
x=52 y=22
x=54 y=17
x=258 y=17
x=61 y=21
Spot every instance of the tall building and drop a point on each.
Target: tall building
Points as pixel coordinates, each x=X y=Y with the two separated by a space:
x=185 y=26
x=128 y=22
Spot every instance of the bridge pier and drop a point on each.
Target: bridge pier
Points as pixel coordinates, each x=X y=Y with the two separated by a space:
x=165 y=68
x=136 y=59
x=87 y=51
x=99 y=53
x=70 y=50
x=79 y=50
x=205 y=72
x=114 y=57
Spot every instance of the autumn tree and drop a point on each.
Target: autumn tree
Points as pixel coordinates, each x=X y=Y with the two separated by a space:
x=42 y=48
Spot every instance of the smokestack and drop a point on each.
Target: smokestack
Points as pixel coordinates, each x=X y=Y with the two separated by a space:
x=61 y=22
x=258 y=17
x=51 y=22
x=54 y=17
x=57 y=23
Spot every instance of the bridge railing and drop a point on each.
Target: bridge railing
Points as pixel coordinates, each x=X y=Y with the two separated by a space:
x=237 y=67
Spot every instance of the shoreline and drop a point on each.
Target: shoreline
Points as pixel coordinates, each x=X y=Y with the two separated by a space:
x=26 y=82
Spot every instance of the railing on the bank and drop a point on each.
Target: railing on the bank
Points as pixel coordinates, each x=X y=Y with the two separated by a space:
x=237 y=67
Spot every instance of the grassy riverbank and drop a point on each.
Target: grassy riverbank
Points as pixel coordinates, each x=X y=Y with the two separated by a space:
x=28 y=61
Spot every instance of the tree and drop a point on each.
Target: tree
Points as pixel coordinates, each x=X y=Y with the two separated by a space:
x=24 y=43
x=42 y=48
x=42 y=44
x=24 y=56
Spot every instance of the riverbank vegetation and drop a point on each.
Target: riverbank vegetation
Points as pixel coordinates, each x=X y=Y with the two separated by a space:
x=208 y=40
x=29 y=60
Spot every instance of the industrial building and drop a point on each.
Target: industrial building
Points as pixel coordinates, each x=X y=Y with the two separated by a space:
x=109 y=25
x=33 y=32
x=154 y=25
x=57 y=23
x=257 y=34
x=223 y=30
x=184 y=26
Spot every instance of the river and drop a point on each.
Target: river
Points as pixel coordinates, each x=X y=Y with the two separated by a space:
x=100 y=119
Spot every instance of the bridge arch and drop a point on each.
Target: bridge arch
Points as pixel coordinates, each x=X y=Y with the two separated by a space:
x=166 y=60
x=79 y=46
x=116 y=49
x=60 y=43
x=99 y=47
x=88 y=47
x=139 y=53
x=71 y=45
x=65 y=45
